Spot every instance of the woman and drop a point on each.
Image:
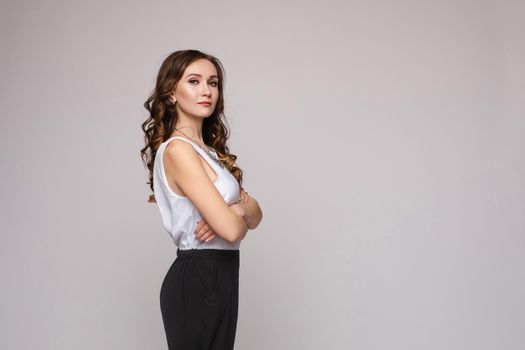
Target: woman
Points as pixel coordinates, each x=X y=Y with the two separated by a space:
x=197 y=187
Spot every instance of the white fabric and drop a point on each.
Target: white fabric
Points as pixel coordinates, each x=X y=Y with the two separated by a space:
x=178 y=213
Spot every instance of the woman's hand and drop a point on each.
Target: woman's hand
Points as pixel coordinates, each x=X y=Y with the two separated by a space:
x=243 y=197
x=205 y=233
x=238 y=209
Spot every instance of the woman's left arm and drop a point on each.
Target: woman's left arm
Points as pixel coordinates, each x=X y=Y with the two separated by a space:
x=252 y=210
x=247 y=207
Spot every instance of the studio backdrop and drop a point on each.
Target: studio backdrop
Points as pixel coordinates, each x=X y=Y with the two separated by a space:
x=383 y=140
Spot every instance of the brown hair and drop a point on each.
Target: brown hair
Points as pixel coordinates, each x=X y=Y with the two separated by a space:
x=163 y=115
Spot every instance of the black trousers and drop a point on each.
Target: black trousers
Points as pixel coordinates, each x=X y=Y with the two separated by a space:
x=199 y=299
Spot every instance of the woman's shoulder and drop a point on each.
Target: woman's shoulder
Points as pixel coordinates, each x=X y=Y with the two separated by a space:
x=177 y=145
x=180 y=153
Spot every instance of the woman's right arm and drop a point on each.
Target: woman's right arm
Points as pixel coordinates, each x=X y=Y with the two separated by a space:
x=182 y=160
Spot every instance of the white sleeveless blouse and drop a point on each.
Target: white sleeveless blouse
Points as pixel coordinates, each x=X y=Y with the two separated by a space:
x=178 y=213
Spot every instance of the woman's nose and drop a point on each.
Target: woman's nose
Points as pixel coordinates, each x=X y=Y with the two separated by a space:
x=206 y=90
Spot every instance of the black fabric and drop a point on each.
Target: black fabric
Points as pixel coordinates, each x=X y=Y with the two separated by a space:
x=199 y=299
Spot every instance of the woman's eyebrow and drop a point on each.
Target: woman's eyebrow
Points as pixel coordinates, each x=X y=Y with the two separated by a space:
x=211 y=76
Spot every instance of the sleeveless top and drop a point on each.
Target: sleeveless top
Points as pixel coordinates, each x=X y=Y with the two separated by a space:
x=178 y=213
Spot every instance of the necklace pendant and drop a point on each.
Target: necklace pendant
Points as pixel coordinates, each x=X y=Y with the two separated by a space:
x=212 y=156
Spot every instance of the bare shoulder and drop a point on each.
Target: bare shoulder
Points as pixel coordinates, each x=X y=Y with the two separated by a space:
x=177 y=147
x=180 y=153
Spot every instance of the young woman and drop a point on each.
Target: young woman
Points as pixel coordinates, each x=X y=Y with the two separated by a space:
x=197 y=188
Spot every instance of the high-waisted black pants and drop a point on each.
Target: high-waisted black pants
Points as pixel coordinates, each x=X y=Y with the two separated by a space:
x=199 y=299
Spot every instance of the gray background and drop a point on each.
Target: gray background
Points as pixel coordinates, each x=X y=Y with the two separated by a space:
x=383 y=140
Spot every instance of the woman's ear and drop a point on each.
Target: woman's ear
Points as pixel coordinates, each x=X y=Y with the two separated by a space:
x=172 y=96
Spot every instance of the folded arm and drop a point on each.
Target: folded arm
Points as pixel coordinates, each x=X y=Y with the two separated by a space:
x=183 y=160
x=252 y=211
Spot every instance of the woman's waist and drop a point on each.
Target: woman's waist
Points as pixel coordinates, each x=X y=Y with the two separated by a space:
x=209 y=254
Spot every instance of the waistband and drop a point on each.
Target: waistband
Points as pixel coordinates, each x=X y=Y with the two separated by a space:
x=214 y=254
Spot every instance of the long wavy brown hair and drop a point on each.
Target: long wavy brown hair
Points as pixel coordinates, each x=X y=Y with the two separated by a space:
x=163 y=117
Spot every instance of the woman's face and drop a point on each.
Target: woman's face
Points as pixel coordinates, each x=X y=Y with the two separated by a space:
x=199 y=83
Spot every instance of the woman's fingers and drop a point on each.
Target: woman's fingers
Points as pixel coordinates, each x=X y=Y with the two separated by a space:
x=204 y=232
x=208 y=236
x=243 y=195
x=199 y=228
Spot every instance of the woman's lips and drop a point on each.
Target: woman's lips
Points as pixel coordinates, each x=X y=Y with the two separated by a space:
x=205 y=104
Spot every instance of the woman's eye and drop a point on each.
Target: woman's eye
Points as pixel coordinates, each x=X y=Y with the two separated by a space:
x=214 y=83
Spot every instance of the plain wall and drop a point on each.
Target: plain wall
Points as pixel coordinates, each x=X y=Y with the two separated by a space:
x=384 y=141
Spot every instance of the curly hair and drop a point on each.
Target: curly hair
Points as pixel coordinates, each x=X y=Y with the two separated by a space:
x=163 y=117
